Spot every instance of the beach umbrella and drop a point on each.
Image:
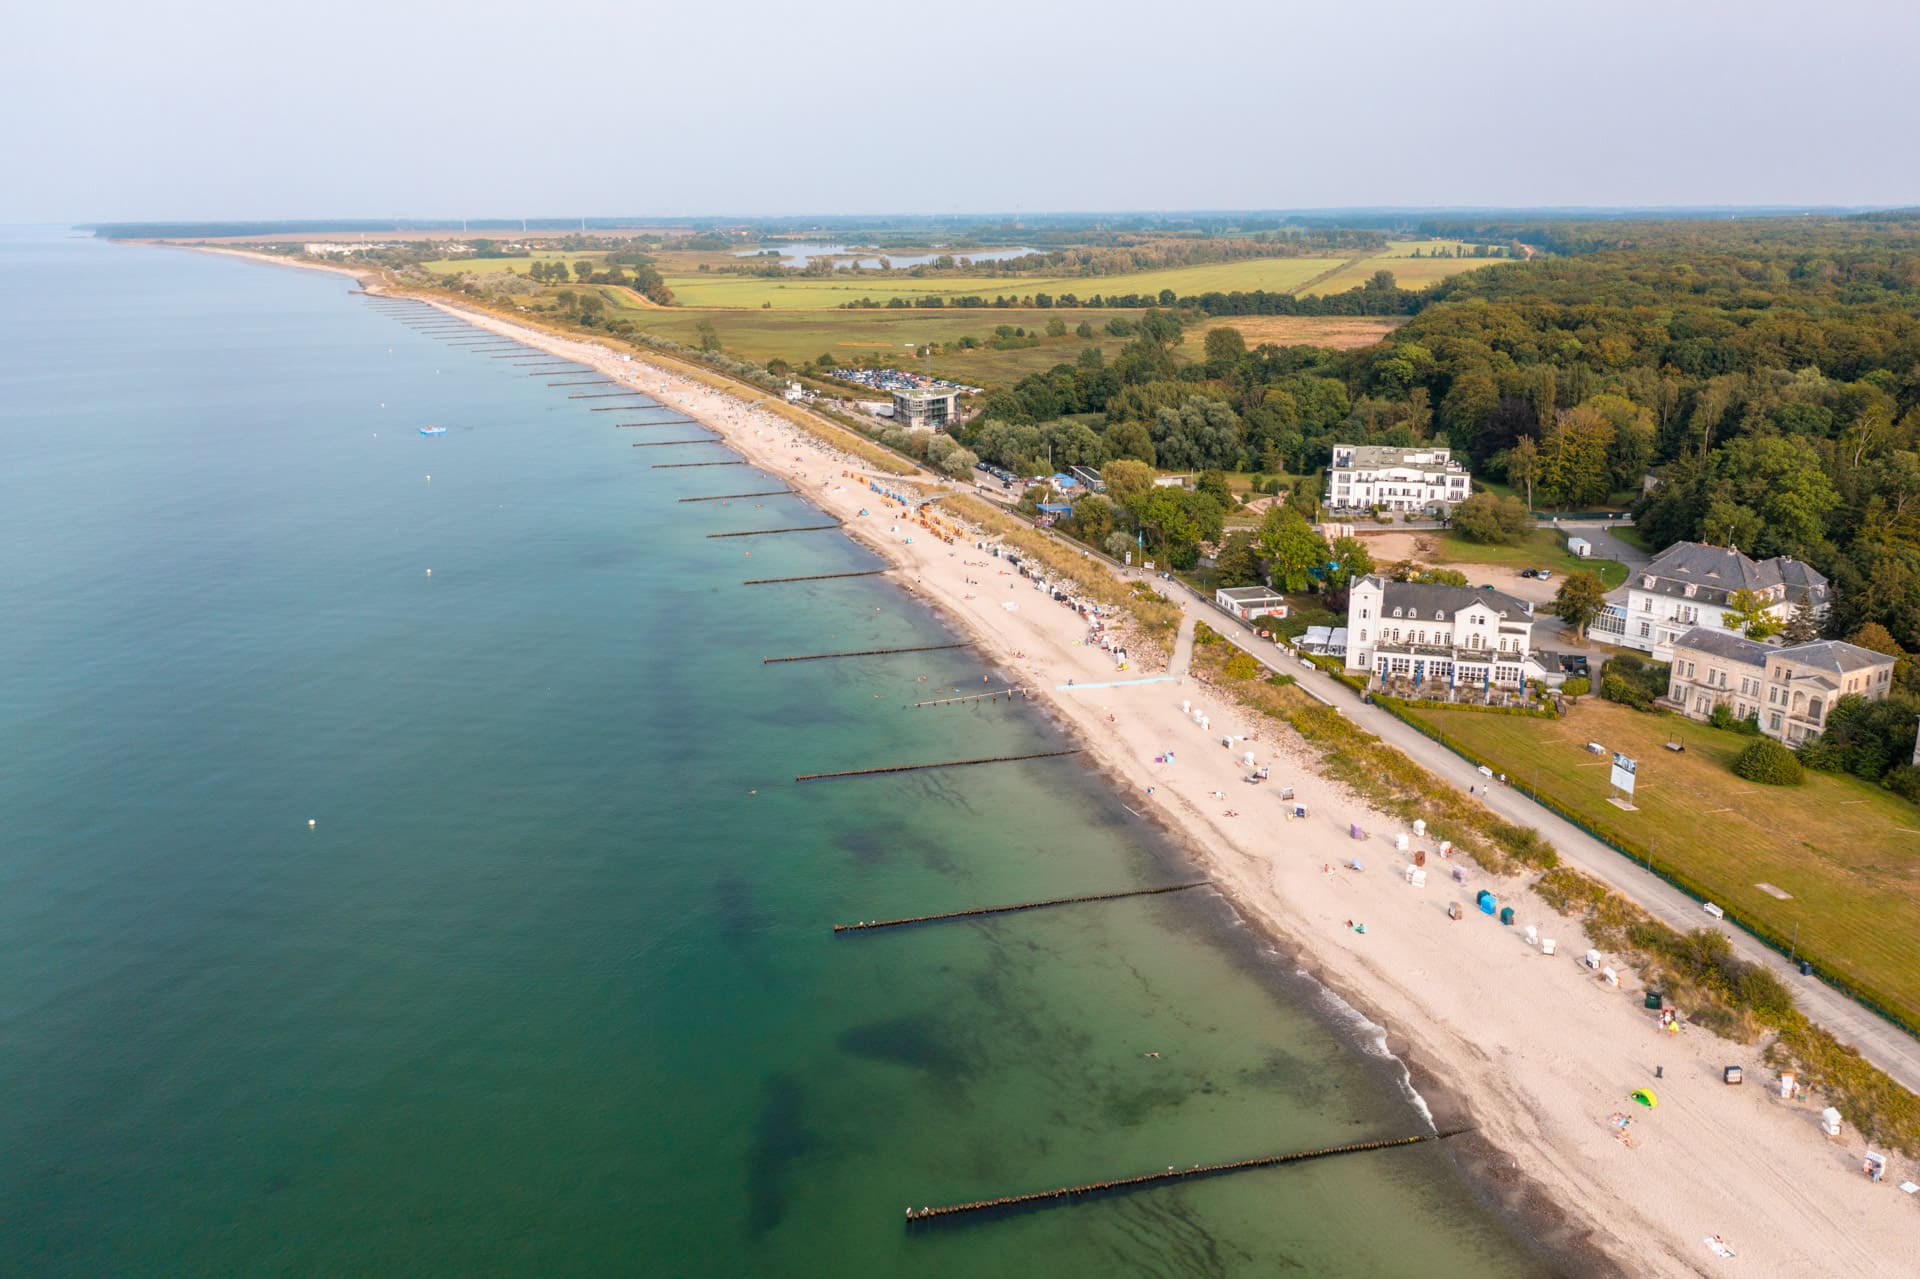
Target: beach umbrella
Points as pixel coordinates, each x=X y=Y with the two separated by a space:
x=1645 y=1097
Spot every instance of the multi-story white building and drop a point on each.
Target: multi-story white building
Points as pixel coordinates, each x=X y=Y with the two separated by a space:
x=1426 y=480
x=1689 y=584
x=1439 y=636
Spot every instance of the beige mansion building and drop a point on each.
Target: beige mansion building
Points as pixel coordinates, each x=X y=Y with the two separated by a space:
x=1791 y=688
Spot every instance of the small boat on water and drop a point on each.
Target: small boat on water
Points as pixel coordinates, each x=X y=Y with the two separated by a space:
x=433 y=430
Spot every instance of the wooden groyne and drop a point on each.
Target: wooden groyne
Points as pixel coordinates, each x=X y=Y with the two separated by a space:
x=868 y=925
x=769 y=532
x=672 y=421
x=811 y=577
x=609 y=395
x=731 y=497
x=862 y=652
x=1119 y=1185
x=951 y=763
x=676 y=466
x=1008 y=692
x=667 y=444
x=596 y=381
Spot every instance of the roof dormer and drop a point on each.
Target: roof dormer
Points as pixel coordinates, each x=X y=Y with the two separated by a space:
x=1646 y=581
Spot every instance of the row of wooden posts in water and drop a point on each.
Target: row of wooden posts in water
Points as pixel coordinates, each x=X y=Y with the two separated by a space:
x=1063 y=1195
x=1030 y=1200
x=1005 y=1202
x=869 y=925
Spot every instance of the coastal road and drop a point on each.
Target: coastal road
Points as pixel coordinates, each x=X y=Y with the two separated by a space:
x=1880 y=1042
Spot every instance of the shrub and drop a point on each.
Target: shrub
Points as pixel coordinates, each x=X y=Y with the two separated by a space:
x=1280 y=680
x=1204 y=635
x=1769 y=763
x=1821 y=755
x=1904 y=781
x=1723 y=717
x=1241 y=666
x=1576 y=688
x=1632 y=682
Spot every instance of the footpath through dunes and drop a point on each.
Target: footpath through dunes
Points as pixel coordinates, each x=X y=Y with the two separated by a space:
x=1544 y=1056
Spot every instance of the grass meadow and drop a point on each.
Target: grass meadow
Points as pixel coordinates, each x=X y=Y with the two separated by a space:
x=1539 y=549
x=1845 y=852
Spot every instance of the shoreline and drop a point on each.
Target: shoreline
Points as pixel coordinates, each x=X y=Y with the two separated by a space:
x=1536 y=1053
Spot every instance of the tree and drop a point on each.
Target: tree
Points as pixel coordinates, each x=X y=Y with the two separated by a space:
x=1124 y=478
x=1083 y=330
x=1119 y=545
x=709 y=339
x=1802 y=627
x=1291 y=548
x=1238 y=563
x=1486 y=518
x=1876 y=637
x=960 y=463
x=1523 y=465
x=1747 y=613
x=1579 y=600
x=1573 y=461
x=581 y=270
x=1350 y=560
x=1056 y=327
x=1225 y=349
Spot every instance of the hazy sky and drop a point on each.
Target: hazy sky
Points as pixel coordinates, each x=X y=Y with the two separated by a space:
x=120 y=109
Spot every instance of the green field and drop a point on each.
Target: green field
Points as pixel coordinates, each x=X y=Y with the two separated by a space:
x=493 y=266
x=1540 y=549
x=701 y=289
x=1847 y=852
x=797 y=337
x=1408 y=272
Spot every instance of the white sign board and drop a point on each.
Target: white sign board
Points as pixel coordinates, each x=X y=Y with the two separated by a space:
x=1623 y=771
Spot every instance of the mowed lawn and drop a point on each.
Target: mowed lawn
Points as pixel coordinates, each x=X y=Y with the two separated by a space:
x=703 y=289
x=1847 y=852
x=1539 y=549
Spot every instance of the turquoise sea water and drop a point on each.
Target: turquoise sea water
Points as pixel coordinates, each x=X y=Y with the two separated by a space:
x=549 y=988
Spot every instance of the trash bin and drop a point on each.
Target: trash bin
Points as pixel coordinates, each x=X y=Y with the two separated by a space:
x=1806 y=968
x=1506 y=915
x=1653 y=1000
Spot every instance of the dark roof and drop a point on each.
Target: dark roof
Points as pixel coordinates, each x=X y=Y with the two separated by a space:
x=1715 y=572
x=1428 y=598
x=1724 y=643
x=1836 y=656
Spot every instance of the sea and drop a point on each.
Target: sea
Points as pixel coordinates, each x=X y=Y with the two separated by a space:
x=403 y=872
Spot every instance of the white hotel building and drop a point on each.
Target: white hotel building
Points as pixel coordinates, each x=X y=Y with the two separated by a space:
x=1439 y=636
x=1691 y=584
x=1424 y=480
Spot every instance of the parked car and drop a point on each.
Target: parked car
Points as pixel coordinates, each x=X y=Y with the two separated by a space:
x=1543 y=574
x=1528 y=572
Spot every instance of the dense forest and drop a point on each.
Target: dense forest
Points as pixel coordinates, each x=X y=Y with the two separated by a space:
x=1759 y=379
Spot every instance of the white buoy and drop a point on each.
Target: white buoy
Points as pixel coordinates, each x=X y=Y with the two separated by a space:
x=310 y=823
x=429 y=572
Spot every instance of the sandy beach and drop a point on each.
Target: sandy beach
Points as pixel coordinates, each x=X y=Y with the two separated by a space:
x=1539 y=1052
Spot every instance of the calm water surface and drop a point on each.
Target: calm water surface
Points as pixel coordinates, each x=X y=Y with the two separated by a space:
x=548 y=989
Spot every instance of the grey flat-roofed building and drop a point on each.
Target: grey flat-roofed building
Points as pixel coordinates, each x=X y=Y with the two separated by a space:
x=926 y=409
